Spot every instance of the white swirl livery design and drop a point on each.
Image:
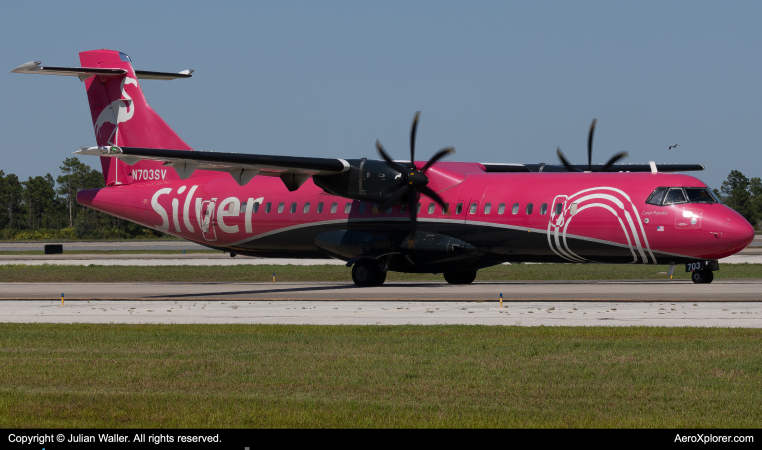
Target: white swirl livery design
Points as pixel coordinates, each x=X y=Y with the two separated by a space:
x=613 y=200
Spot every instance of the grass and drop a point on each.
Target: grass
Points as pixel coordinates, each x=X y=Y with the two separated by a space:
x=108 y=252
x=251 y=273
x=242 y=376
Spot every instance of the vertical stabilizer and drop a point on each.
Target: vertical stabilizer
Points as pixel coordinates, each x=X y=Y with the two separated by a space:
x=121 y=116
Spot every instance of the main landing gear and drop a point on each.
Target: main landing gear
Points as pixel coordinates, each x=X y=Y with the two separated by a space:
x=367 y=273
x=467 y=277
x=702 y=276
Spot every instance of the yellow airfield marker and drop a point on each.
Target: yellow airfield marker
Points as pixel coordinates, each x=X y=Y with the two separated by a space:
x=273 y=277
x=501 y=299
x=62 y=299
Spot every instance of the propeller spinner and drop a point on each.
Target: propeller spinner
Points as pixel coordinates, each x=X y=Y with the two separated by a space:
x=416 y=180
x=606 y=166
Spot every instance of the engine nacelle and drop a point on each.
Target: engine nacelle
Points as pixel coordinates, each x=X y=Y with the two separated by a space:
x=368 y=180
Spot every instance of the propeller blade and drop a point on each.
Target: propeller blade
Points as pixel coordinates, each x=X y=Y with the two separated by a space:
x=413 y=205
x=398 y=167
x=432 y=195
x=613 y=160
x=590 y=145
x=563 y=160
x=413 y=132
x=439 y=155
x=394 y=197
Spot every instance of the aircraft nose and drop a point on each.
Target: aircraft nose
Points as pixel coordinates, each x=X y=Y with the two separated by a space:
x=739 y=231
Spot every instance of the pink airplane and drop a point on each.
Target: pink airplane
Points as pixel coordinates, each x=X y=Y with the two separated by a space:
x=410 y=216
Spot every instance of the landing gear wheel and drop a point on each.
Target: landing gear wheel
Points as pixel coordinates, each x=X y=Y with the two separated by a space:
x=460 y=277
x=381 y=278
x=702 y=276
x=365 y=273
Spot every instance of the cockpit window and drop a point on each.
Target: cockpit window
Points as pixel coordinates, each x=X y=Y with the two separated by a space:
x=699 y=195
x=676 y=195
x=715 y=196
x=656 y=196
x=124 y=57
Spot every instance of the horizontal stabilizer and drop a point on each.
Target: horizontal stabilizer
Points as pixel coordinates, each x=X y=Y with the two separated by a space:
x=292 y=170
x=84 y=73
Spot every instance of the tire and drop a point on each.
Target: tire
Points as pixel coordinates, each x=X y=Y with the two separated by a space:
x=460 y=277
x=467 y=277
x=380 y=279
x=365 y=273
x=702 y=276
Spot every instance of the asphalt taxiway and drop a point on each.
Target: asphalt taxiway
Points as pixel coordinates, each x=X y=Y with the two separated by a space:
x=724 y=303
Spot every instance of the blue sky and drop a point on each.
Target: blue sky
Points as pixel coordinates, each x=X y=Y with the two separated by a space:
x=500 y=81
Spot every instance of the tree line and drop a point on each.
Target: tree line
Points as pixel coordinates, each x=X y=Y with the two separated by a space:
x=42 y=207
x=744 y=195
x=47 y=208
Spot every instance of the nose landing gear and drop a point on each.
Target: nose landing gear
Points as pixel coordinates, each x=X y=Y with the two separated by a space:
x=702 y=276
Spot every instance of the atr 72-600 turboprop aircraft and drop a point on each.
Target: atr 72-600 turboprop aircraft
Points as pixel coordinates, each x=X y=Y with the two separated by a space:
x=407 y=216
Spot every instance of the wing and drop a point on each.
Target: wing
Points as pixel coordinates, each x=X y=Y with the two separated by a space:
x=503 y=168
x=292 y=170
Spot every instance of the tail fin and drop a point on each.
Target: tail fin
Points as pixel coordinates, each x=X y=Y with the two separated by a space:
x=121 y=117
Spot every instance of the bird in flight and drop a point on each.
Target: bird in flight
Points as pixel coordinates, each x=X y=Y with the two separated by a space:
x=672 y=146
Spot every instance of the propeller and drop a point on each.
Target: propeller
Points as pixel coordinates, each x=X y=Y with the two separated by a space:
x=605 y=167
x=414 y=181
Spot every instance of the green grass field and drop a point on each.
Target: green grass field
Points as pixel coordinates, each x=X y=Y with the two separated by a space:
x=241 y=376
x=58 y=274
x=109 y=252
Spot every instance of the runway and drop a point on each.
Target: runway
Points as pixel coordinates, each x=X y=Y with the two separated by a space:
x=750 y=256
x=638 y=303
x=133 y=244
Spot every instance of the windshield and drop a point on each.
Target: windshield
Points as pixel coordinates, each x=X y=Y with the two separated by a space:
x=675 y=195
x=699 y=195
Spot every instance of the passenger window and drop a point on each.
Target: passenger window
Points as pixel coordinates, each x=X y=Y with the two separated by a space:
x=334 y=207
x=418 y=208
x=446 y=208
x=459 y=208
x=347 y=207
x=529 y=208
x=243 y=208
x=543 y=209
x=403 y=208
x=487 y=208
x=281 y=206
x=515 y=209
x=675 y=195
x=573 y=209
x=389 y=209
x=293 y=208
x=268 y=207
x=656 y=196
x=472 y=208
x=559 y=208
x=375 y=208
x=431 y=208
x=306 y=208
x=501 y=208
x=256 y=206
x=320 y=207
x=362 y=207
